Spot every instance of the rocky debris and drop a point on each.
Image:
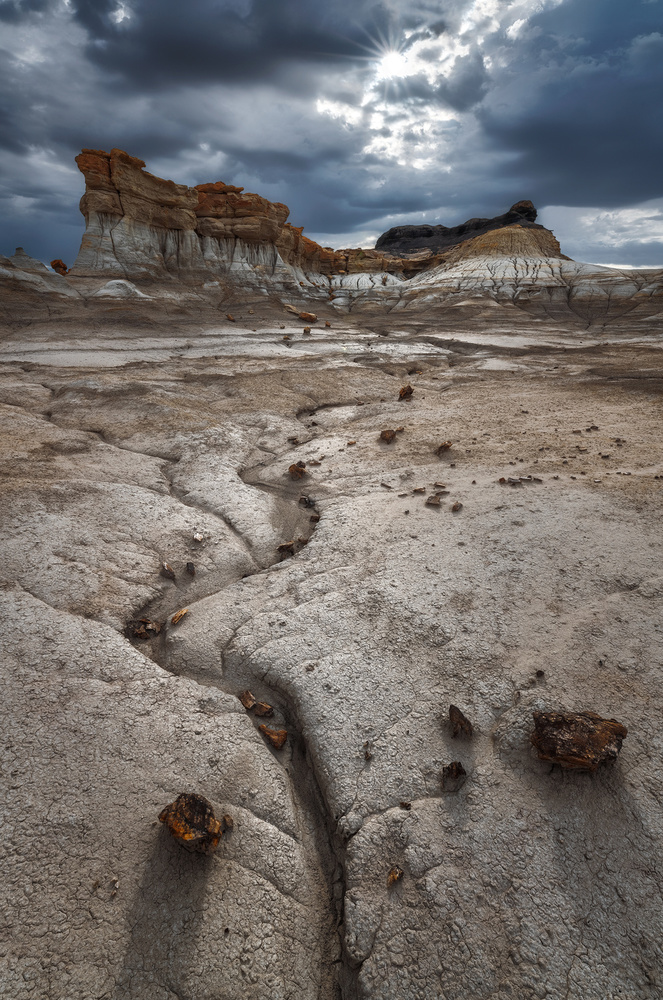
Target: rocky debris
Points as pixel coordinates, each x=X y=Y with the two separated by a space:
x=433 y=500
x=191 y=821
x=297 y=470
x=178 y=616
x=405 y=392
x=286 y=549
x=167 y=571
x=59 y=267
x=143 y=628
x=460 y=724
x=260 y=708
x=580 y=741
x=191 y=569
x=453 y=776
x=455 y=507
x=247 y=700
x=306 y=331
x=408 y=239
x=394 y=875
x=276 y=737
x=230 y=317
x=389 y=434
x=307 y=317
x=444 y=447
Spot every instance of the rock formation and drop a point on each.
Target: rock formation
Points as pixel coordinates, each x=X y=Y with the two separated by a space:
x=402 y=240
x=139 y=225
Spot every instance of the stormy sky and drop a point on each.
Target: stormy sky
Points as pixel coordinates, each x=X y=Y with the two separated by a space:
x=359 y=115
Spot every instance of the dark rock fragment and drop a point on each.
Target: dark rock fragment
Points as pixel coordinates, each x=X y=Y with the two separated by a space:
x=441 y=448
x=405 y=392
x=277 y=737
x=387 y=435
x=247 y=700
x=167 y=571
x=143 y=628
x=578 y=741
x=297 y=470
x=178 y=616
x=191 y=569
x=453 y=776
x=394 y=875
x=191 y=821
x=59 y=267
x=460 y=724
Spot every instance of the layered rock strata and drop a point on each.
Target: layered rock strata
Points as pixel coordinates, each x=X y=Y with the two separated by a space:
x=138 y=225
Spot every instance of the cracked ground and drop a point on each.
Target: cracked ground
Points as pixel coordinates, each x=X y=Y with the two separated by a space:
x=543 y=593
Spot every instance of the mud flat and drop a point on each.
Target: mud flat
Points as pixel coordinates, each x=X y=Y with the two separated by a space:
x=127 y=444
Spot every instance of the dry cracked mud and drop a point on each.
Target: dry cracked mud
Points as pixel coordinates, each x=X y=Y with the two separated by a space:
x=543 y=594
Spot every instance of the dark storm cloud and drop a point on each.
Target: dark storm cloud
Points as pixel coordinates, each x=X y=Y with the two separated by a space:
x=590 y=129
x=159 y=41
x=556 y=101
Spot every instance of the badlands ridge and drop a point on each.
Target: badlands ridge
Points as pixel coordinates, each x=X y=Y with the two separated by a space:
x=410 y=500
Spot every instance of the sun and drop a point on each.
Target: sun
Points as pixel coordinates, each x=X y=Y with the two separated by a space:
x=392 y=64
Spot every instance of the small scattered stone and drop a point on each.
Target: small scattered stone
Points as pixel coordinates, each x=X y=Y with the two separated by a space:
x=327 y=323
x=286 y=549
x=459 y=722
x=247 y=700
x=314 y=518
x=405 y=805
x=198 y=536
x=405 y=392
x=387 y=486
x=456 y=506
x=167 y=571
x=191 y=569
x=262 y=709
x=277 y=737
x=453 y=776
x=433 y=500
x=394 y=875
x=191 y=821
x=143 y=628
x=178 y=616
x=308 y=317
x=230 y=317
x=441 y=448
x=297 y=470
x=387 y=435
x=352 y=442
x=368 y=751
x=578 y=741
x=307 y=330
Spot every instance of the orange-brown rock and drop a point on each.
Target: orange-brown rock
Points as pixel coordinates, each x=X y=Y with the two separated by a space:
x=59 y=266
x=277 y=737
x=579 y=741
x=191 y=821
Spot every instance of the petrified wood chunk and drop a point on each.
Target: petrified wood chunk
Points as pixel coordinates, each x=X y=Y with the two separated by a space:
x=247 y=700
x=394 y=875
x=445 y=446
x=178 y=616
x=143 y=628
x=190 y=819
x=297 y=470
x=276 y=737
x=405 y=392
x=459 y=722
x=577 y=740
x=387 y=435
x=453 y=776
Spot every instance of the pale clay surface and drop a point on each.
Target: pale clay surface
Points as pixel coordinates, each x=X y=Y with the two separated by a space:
x=131 y=423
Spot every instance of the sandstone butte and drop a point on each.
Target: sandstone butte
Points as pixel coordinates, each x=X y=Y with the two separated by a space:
x=118 y=188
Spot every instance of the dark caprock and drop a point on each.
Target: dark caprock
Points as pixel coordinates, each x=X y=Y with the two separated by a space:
x=410 y=239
